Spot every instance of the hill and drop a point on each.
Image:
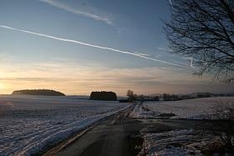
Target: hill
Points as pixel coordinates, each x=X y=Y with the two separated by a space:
x=45 y=92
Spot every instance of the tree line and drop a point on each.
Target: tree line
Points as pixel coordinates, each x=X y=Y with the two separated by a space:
x=46 y=92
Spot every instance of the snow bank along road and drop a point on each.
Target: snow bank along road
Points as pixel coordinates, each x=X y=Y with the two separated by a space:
x=109 y=137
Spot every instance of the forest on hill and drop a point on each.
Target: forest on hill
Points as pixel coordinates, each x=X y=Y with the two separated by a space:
x=46 y=92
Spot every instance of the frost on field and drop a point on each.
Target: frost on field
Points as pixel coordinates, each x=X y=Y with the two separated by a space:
x=30 y=123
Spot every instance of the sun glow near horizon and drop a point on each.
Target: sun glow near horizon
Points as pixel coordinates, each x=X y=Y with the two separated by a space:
x=71 y=78
x=2 y=86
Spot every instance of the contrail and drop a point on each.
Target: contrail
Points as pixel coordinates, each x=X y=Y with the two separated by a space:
x=144 y=56
x=170 y=1
x=78 y=12
x=191 y=61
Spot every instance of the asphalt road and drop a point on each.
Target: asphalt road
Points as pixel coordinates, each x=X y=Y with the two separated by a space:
x=117 y=135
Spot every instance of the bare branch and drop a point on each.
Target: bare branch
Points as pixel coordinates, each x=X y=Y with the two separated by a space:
x=204 y=30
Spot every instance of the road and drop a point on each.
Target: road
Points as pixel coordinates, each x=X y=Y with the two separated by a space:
x=117 y=135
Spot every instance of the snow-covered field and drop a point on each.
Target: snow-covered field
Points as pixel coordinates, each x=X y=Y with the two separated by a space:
x=188 y=109
x=181 y=142
x=30 y=123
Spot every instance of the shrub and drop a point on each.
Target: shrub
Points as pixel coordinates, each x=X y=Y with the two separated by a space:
x=224 y=123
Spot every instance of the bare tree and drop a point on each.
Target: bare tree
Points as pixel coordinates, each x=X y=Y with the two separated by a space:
x=204 y=30
x=131 y=96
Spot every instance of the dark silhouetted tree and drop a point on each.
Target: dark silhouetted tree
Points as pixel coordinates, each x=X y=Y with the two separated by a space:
x=103 y=95
x=131 y=96
x=204 y=30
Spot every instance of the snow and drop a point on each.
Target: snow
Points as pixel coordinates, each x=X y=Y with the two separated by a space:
x=181 y=142
x=188 y=109
x=140 y=111
x=177 y=142
x=28 y=124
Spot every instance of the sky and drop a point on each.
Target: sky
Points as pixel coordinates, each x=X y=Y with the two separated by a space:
x=79 y=46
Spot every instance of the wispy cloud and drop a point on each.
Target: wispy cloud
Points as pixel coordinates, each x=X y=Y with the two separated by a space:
x=78 y=12
x=143 y=56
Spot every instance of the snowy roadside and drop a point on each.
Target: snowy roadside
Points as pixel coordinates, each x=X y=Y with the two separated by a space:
x=185 y=141
x=140 y=111
x=30 y=124
x=176 y=142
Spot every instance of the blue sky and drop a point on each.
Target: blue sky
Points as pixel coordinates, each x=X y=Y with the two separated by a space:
x=80 y=46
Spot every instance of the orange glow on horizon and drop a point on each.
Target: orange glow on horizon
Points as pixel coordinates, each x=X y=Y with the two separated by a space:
x=2 y=86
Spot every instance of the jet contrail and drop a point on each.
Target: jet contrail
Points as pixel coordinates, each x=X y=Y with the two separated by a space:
x=78 y=12
x=91 y=45
x=170 y=1
x=192 y=60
